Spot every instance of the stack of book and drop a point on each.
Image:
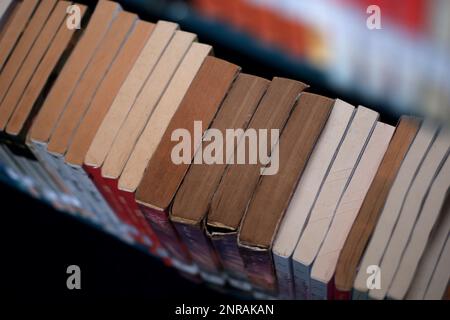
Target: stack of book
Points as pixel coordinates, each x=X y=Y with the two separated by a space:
x=232 y=179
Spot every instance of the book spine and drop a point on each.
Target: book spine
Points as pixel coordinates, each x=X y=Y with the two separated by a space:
x=228 y=253
x=94 y=173
x=321 y=290
x=202 y=252
x=285 y=277
x=129 y=201
x=110 y=215
x=360 y=295
x=259 y=268
x=341 y=295
x=301 y=280
x=50 y=163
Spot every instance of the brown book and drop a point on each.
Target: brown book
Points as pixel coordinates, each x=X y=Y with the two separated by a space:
x=41 y=81
x=24 y=44
x=191 y=204
x=67 y=80
x=19 y=21
x=163 y=177
x=372 y=206
x=239 y=181
x=107 y=92
x=89 y=82
x=31 y=63
x=273 y=193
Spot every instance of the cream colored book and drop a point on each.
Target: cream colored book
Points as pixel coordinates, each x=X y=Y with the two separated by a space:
x=430 y=257
x=158 y=122
x=409 y=213
x=421 y=234
x=386 y=223
x=303 y=199
x=150 y=55
x=325 y=264
x=439 y=280
x=333 y=188
x=145 y=104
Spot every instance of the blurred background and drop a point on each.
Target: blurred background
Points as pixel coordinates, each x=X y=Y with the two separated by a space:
x=402 y=68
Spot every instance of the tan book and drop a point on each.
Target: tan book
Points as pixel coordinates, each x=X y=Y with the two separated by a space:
x=410 y=210
x=388 y=218
x=324 y=265
x=124 y=101
x=273 y=192
x=107 y=91
x=148 y=141
x=62 y=89
x=163 y=113
x=373 y=203
x=15 y=28
x=308 y=188
x=99 y=106
x=87 y=86
x=428 y=219
x=239 y=181
x=24 y=45
x=163 y=176
x=31 y=62
x=145 y=104
x=74 y=68
x=191 y=204
x=40 y=83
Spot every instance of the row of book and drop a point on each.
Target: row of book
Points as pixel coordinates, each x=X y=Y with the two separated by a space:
x=403 y=64
x=92 y=121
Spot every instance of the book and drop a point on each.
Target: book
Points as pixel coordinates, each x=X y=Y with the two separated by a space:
x=321 y=284
x=410 y=211
x=296 y=215
x=15 y=28
x=239 y=181
x=74 y=112
x=147 y=143
x=54 y=102
x=428 y=218
x=273 y=192
x=124 y=101
x=372 y=206
x=26 y=75
x=431 y=254
x=98 y=108
x=142 y=110
x=24 y=45
x=145 y=103
x=191 y=203
x=6 y=7
x=389 y=215
x=163 y=176
x=334 y=186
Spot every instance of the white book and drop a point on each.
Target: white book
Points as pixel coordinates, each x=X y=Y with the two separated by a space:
x=325 y=264
x=386 y=222
x=409 y=213
x=431 y=255
x=328 y=199
x=439 y=280
x=303 y=199
x=421 y=233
